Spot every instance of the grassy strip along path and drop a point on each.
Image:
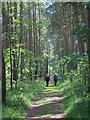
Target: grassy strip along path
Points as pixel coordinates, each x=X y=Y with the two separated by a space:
x=47 y=105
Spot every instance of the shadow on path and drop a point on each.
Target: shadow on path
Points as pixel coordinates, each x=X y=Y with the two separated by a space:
x=47 y=105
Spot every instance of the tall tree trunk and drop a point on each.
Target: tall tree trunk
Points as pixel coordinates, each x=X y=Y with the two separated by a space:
x=80 y=42
x=30 y=30
x=6 y=26
x=5 y=14
x=2 y=64
x=66 y=39
x=88 y=10
x=83 y=20
x=39 y=31
x=47 y=55
x=30 y=40
x=68 y=33
x=11 y=32
x=36 y=71
x=34 y=29
x=26 y=40
x=62 y=57
x=21 y=38
x=26 y=45
x=15 y=54
x=73 y=41
x=65 y=35
x=46 y=65
x=3 y=80
x=59 y=64
x=88 y=47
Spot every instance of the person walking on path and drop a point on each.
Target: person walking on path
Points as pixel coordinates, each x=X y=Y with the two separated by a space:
x=55 y=78
x=47 y=78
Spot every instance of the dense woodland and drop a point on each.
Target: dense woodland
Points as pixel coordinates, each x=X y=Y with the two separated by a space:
x=40 y=38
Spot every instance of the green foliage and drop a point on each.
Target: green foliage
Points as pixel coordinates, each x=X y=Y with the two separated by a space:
x=19 y=100
x=28 y=55
x=76 y=99
x=81 y=30
x=75 y=86
x=74 y=58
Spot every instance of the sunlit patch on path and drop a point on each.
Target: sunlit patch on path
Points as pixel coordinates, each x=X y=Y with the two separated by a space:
x=47 y=105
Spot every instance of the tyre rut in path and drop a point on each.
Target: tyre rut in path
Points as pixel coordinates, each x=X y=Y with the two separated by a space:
x=47 y=105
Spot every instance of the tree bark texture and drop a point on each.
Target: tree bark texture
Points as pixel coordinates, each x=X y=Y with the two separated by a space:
x=15 y=75
x=65 y=33
x=30 y=40
x=80 y=42
x=3 y=80
x=34 y=29
x=10 y=36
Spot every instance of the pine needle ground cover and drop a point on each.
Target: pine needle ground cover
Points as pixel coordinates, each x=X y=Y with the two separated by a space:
x=76 y=101
x=20 y=98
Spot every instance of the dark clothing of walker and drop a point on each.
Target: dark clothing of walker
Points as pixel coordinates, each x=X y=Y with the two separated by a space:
x=47 y=78
x=47 y=82
x=55 y=77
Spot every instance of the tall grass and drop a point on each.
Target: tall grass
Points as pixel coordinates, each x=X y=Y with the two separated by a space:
x=19 y=99
x=76 y=99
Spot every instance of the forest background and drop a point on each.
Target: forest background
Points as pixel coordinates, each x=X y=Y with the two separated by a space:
x=45 y=38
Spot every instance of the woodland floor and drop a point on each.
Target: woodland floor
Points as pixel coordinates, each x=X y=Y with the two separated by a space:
x=48 y=105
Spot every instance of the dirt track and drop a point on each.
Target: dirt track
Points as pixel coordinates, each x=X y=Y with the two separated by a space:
x=46 y=106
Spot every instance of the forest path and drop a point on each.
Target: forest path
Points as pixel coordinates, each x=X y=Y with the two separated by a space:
x=47 y=105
